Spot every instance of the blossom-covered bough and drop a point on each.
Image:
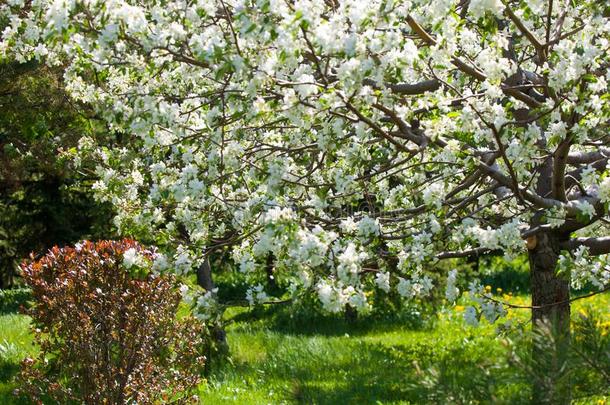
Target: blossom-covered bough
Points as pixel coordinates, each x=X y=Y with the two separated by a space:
x=347 y=144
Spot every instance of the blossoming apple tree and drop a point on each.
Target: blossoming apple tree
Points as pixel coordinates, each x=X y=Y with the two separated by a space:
x=348 y=143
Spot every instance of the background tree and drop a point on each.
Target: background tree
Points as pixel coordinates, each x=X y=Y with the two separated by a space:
x=43 y=200
x=358 y=142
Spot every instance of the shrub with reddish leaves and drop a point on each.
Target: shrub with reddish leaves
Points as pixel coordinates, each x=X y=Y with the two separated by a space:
x=107 y=329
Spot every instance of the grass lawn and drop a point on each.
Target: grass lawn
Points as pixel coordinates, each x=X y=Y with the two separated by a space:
x=328 y=361
x=277 y=359
x=15 y=344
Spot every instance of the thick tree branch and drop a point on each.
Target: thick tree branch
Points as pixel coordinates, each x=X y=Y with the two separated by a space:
x=577 y=158
x=559 y=168
x=597 y=246
x=420 y=31
x=417 y=88
x=540 y=202
x=524 y=30
x=467 y=68
x=519 y=95
x=409 y=89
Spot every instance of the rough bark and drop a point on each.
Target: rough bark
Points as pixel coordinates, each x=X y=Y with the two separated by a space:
x=550 y=321
x=204 y=276
x=204 y=279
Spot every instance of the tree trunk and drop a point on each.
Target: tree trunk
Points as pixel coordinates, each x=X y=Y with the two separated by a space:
x=351 y=314
x=204 y=276
x=269 y=270
x=204 y=279
x=550 y=321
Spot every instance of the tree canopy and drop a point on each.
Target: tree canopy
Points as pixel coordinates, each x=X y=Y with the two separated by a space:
x=351 y=140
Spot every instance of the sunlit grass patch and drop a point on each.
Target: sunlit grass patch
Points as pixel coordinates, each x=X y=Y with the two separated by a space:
x=15 y=344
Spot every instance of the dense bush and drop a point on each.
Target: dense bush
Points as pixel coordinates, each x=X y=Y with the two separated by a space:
x=107 y=329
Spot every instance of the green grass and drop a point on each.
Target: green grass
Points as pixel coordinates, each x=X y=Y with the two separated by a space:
x=368 y=365
x=282 y=355
x=326 y=360
x=15 y=344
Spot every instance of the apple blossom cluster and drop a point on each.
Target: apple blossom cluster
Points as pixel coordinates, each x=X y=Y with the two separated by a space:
x=485 y=307
x=415 y=287
x=584 y=271
x=452 y=292
x=335 y=296
x=347 y=145
x=131 y=258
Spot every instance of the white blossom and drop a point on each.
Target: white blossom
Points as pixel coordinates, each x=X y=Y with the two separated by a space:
x=471 y=316
x=131 y=258
x=368 y=227
x=451 y=291
x=479 y=7
x=586 y=209
x=256 y=295
x=382 y=279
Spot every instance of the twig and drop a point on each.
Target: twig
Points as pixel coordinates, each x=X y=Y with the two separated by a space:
x=508 y=304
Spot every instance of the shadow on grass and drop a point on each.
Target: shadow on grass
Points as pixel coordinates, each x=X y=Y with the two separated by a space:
x=371 y=373
x=294 y=320
x=415 y=374
x=340 y=371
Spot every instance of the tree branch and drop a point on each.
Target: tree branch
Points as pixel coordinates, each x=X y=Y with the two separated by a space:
x=524 y=30
x=560 y=158
x=417 y=88
x=409 y=89
x=466 y=253
x=528 y=195
x=597 y=246
x=576 y=158
x=509 y=305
